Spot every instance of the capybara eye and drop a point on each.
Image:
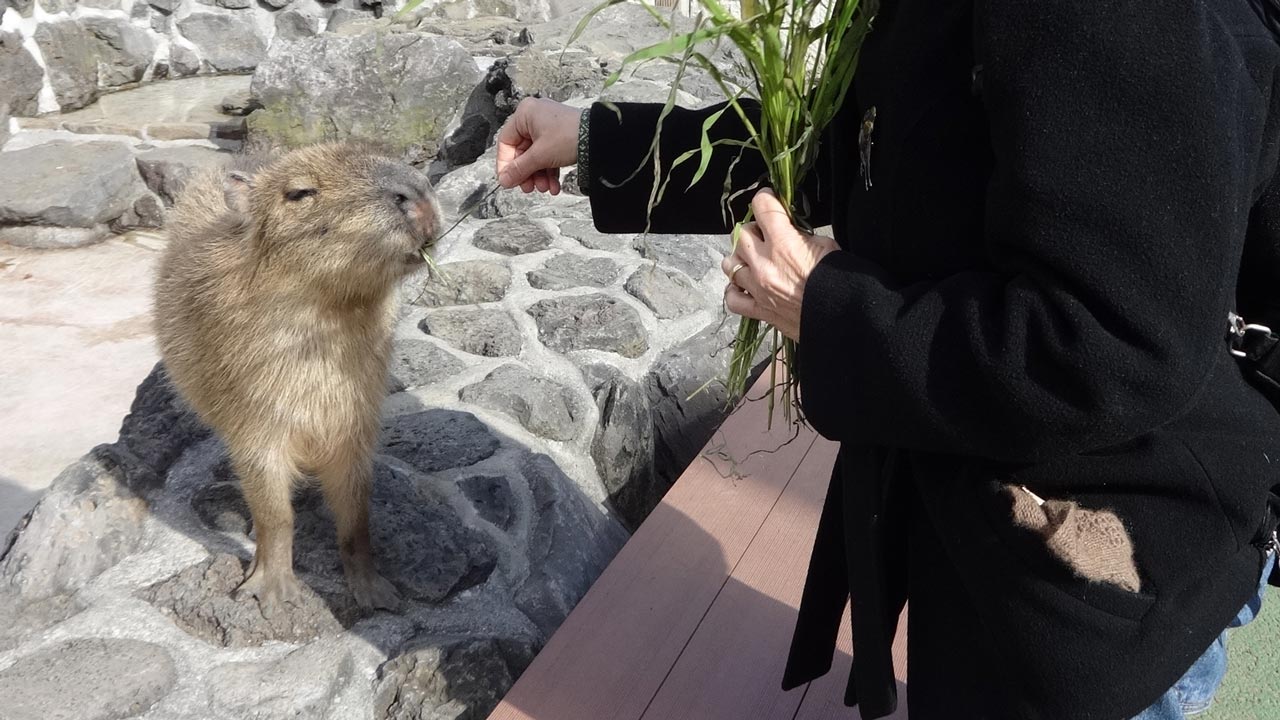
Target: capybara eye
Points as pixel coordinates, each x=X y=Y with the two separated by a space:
x=296 y=195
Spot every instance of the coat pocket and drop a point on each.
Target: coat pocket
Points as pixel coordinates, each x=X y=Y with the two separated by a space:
x=1031 y=555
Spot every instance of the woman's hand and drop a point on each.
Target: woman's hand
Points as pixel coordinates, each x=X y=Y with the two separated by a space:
x=768 y=270
x=539 y=139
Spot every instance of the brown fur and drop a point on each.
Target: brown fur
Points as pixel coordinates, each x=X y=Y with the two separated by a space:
x=273 y=317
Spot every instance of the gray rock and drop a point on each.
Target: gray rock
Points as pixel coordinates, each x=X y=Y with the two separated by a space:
x=536 y=71
x=417 y=362
x=87 y=679
x=102 y=127
x=21 y=621
x=52 y=238
x=221 y=506
x=623 y=28
x=335 y=87
x=4 y=124
x=696 y=82
x=198 y=600
x=435 y=440
x=623 y=444
x=183 y=61
x=567 y=271
x=647 y=91
x=345 y=18
x=87 y=521
x=22 y=7
x=53 y=7
x=180 y=131
x=526 y=10
x=590 y=322
x=584 y=231
x=238 y=104
x=542 y=406
x=570 y=543
x=233 y=4
x=147 y=212
x=68 y=184
x=20 y=77
x=277 y=4
x=470 y=139
x=693 y=255
x=72 y=64
x=155 y=433
x=419 y=542
x=124 y=50
x=228 y=43
x=465 y=283
x=668 y=293
x=294 y=25
x=512 y=236
x=450 y=678
x=484 y=35
x=98 y=4
x=167 y=6
x=167 y=170
x=140 y=12
x=491 y=333
x=491 y=496
x=303 y=684
x=683 y=419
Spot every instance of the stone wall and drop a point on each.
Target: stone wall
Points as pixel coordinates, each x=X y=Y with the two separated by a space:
x=61 y=55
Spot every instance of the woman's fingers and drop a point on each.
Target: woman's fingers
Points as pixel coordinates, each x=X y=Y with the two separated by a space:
x=738 y=302
x=541 y=136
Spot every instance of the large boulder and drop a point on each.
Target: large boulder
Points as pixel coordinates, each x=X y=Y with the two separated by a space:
x=88 y=679
x=20 y=77
x=229 y=43
x=399 y=88
x=116 y=591
x=167 y=170
x=124 y=49
x=68 y=185
x=70 y=55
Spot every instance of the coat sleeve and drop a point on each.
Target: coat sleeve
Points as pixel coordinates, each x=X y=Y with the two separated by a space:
x=618 y=146
x=1125 y=139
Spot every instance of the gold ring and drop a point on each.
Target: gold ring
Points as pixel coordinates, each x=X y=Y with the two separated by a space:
x=735 y=270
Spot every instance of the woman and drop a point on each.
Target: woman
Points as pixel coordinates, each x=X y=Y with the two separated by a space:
x=1040 y=212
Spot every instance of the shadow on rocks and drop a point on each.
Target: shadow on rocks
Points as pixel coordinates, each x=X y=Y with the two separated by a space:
x=490 y=544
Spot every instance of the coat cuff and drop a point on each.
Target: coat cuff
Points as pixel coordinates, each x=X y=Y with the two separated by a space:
x=827 y=343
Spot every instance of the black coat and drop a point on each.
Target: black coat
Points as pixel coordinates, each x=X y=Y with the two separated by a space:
x=1033 y=290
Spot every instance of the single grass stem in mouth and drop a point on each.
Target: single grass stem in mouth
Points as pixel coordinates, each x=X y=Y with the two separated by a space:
x=433 y=270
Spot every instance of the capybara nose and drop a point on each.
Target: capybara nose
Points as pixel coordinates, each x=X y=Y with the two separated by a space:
x=418 y=208
x=422 y=216
x=410 y=192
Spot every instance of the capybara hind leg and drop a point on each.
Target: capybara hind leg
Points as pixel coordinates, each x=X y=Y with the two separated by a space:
x=269 y=493
x=347 y=488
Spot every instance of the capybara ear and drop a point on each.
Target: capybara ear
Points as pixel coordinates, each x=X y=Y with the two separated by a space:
x=236 y=187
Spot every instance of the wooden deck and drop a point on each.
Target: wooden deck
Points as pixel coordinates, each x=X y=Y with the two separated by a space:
x=693 y=618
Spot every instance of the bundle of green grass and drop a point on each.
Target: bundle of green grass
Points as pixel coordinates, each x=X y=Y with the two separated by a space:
x=801 y=56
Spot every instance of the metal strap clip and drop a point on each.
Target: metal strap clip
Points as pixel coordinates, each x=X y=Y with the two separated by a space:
x=1241 y=331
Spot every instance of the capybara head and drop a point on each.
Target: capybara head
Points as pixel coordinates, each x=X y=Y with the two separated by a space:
x=342 y=214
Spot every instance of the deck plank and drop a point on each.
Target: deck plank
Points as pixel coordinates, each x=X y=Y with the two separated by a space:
x=611 y=655
x=732 y=668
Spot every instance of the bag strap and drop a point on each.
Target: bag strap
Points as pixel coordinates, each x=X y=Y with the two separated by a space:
x=1258 y=350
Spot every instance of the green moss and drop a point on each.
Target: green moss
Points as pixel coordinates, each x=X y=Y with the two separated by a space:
x=285 y=125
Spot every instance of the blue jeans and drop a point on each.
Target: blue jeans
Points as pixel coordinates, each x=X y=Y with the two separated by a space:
x=1193 y=694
